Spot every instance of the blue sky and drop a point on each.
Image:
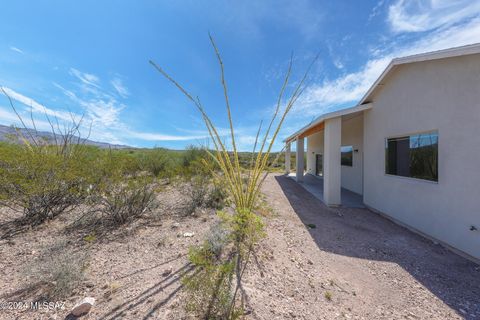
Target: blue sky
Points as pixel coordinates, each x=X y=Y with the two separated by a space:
x=91 y=58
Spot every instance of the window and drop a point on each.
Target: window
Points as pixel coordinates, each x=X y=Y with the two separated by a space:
x=414 y=156
x=347 y=156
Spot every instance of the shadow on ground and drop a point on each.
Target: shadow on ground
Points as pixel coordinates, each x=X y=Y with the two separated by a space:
x=132 y=305
x=360 y=233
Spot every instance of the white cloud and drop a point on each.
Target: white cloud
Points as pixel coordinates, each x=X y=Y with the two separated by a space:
x=319 y=98
x=16 y=49
x=103 y=115
x=424 y=15
x=349 y=88
x=86 y=78
x=376 y=10
x=150 y=136
x=103 y=111
x=8 y=116
x=338 y=63
x=100 y=108
x=35 y=106
x=117 y=83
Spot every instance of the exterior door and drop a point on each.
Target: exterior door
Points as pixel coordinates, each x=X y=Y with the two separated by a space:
x=319 y=164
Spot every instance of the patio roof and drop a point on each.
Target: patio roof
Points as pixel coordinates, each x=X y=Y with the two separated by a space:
x=317 y=123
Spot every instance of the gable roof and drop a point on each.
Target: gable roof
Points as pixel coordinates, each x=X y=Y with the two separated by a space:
x=365 y=102
x=428 y=56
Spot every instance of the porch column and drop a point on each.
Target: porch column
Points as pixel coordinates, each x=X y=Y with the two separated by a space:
x=287 y=158
x=332 y=164
x=300 y=159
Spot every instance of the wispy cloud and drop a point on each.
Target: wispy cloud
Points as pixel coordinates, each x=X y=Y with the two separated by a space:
x=103 y=110
x=86 y=78
x=349 y=88
x=36 y=107
x=100 y=107
x=16 y=49
x=151 y=136
x=122 y=90
x=424 y=15
x=376 y=10
x=104 y=117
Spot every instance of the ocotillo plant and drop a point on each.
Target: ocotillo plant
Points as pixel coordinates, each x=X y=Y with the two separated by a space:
x=243 y=187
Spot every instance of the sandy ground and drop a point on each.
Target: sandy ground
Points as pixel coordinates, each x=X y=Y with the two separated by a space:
x=353 y=265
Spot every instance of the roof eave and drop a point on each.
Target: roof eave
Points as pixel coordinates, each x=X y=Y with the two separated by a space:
x=330 y=115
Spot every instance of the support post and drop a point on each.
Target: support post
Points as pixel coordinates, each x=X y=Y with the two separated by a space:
x=287 y=158
x=332 y=185
x=300 y=159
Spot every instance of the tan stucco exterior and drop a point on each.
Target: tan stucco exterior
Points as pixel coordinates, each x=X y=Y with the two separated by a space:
x=441 y=95
x=430 y=92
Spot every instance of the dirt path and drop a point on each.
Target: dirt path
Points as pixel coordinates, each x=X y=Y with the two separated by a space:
x=354 y=265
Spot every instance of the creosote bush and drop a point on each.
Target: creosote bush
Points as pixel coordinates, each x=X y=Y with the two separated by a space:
x=124 y=201
x=122 y=193
x=42 y=178
x=41 y=184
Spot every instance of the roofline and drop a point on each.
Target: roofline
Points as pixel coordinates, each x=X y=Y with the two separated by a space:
x=329 y=115
x=427 y=56
x=365 y=102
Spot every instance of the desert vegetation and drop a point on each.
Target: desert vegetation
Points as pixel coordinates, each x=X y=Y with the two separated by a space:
x=220 y=262
x=103 y=190
x=98 y=190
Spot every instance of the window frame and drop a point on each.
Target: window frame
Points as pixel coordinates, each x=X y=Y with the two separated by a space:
x=413 y=179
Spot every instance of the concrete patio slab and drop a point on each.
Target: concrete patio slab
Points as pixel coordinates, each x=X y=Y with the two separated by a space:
x=314 y=185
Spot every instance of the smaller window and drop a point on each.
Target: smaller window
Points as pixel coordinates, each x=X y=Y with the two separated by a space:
x=347 y=156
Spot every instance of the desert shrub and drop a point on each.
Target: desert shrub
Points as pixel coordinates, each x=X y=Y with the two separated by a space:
x=192 y=153
x=209 y=288
x=41 y=182
x=159 y=162
x=217 y=197
x=60 y=268
x=202 y=189
x=217 y=239
x=195 y=192
x=123 y=200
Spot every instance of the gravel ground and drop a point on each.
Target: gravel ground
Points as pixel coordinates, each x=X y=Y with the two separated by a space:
x=353 y=265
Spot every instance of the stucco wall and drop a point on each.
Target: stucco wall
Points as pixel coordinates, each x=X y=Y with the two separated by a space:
x=352 y=135
x=314 y=146
x=441 y=95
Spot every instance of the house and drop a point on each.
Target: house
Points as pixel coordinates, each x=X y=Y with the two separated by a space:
x=410 y=149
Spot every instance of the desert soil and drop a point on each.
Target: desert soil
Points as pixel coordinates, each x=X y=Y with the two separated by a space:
x=315 y=263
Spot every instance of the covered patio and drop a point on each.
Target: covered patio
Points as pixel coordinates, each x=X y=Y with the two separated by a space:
x=314 y=185
x=326 y=177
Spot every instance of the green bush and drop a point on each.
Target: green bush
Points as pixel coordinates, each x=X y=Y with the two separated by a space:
x=123 y=200
x=217 y=197
x=159 y=162
x=42 y=182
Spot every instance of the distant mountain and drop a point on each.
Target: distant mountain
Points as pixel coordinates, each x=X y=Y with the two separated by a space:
x=11 y=134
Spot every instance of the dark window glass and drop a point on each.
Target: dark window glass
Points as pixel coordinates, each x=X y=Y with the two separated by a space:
x=413 y=156
x=347 y=156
